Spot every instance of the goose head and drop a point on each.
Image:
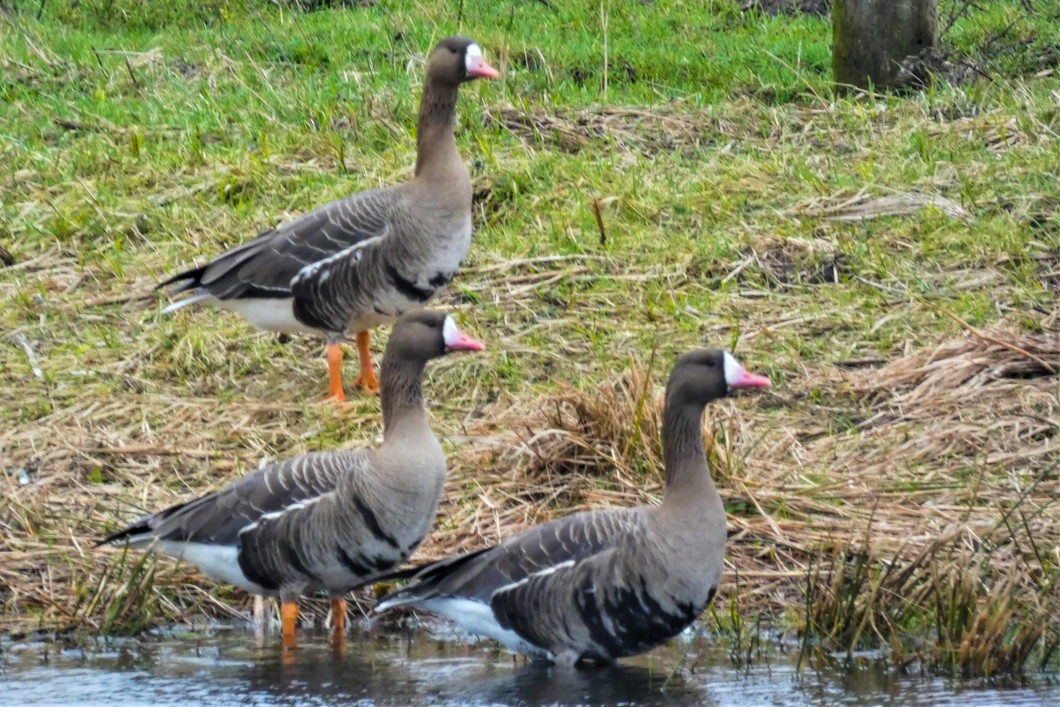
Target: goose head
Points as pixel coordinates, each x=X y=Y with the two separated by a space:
x=423 y=334
x=708 y=374
x=457 y=60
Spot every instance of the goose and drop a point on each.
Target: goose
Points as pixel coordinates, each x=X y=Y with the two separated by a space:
x=601 y=585
x=353 y=264
x=324 y=521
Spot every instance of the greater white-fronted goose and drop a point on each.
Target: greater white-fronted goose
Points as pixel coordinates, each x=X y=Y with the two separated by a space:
x=602 y=585
x=324 y=521
x=353 y=264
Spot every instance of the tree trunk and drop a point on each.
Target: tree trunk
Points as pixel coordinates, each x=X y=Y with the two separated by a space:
x=871 y=38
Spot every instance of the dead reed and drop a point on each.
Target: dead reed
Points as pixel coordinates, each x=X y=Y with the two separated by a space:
x=907 y=507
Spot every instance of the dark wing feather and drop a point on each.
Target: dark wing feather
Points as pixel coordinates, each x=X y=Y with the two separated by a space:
x=265 y=266
x=480 y=575
x=430 y=570
x=542 y=609
x=604 y=607
x=217 y=518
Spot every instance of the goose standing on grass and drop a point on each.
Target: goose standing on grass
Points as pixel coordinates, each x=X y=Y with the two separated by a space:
x=605 y=584
x=353 y=264
x=325 y=521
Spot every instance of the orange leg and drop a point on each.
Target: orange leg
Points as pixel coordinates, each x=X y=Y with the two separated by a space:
x=367 y=379
x=338 y=625
x=335 y=374
x=338 y=615
x=289 y=616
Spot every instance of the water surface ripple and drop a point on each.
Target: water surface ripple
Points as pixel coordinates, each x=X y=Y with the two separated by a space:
x=230 y=668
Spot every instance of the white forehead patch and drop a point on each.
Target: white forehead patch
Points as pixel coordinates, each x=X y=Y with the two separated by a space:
x=470 y=54
x=450 y=334
x=732 y=368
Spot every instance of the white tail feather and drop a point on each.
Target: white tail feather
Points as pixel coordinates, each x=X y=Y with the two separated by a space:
x=394 y=603
x=477 y=617
x=181 y=303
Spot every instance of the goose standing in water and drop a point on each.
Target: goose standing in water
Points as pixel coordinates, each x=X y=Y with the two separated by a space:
x=605 y=584
x=324 y=521
x=358 y=262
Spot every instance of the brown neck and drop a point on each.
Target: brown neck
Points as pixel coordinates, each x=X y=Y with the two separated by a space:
x=687 y=476
x=435 y=144
x=401 y=392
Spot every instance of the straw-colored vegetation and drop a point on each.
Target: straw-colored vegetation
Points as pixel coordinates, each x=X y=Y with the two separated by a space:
x=891 y=262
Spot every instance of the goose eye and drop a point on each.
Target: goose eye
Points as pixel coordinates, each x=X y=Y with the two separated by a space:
x=452 y=50
x=710 y=363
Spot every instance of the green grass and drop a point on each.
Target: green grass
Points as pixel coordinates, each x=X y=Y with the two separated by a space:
x=139 y=137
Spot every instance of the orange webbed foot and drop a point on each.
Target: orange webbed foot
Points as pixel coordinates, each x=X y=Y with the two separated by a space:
x=369 y=384
x=366 y=380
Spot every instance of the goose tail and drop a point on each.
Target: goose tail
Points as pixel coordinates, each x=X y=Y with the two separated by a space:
x=425 y=580
x=135 y=534
x=186 y=281
x=184 y=302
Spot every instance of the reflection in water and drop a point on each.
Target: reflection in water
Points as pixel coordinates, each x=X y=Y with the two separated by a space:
x=231 y=668
x=532 y=684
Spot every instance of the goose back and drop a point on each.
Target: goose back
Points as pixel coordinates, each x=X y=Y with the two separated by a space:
x=616 y=603
x=348 y=265
x=603 y=581
x=478 y=576
x=318 y=521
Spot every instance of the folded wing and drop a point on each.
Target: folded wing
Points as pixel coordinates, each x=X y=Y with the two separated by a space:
x=266 y=267
x=479 y=575
x=217 y=518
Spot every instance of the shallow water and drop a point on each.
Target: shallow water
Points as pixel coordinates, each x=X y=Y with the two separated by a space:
x=236 y=667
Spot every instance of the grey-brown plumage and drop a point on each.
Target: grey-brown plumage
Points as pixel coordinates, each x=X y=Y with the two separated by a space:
x=325 y=521
x=603 y=584
x=358 y=262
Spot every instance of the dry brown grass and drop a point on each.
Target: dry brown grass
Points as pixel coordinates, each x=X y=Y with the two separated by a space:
x=647 y=131
x=862 y=501
x=949 y=451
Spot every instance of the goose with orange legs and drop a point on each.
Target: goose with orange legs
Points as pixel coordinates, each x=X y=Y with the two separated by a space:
x=324 y=521
x=353 y=264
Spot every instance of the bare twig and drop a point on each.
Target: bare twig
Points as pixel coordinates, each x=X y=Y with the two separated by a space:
x=986 y=337
x=31 y=355
x=119 y=299
x=598 y=214
x=132 y=75
x=100 y=62
x=149 y=450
